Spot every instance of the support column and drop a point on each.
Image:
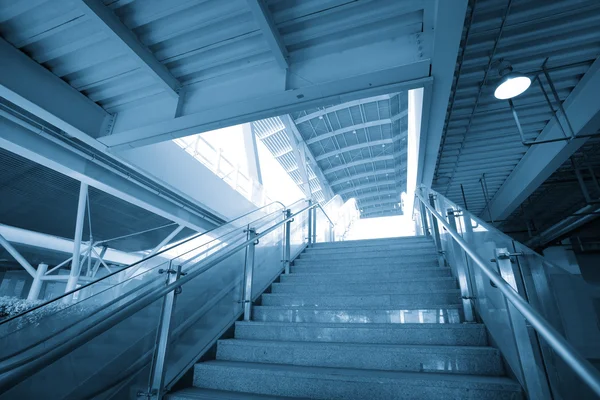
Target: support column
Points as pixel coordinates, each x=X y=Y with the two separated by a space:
x=251 y=152
x=75 y=263
x=36 y=286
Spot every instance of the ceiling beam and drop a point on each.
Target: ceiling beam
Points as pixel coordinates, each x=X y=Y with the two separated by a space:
x=367 y=186
x=362 y=197
x=296 y=139
x=368 y=204
x=265 y=22
x=382 y=142
x=358 y=162
x=363 y=175
x=342 y=106
x=128 y=41
x=539 y=162
x=394 y=64
x=364 y=125
x=48 y=97
x=448 y=18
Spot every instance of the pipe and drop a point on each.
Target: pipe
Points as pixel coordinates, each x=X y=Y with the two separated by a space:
x=579 y=364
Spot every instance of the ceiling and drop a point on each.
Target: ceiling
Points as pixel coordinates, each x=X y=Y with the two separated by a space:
x=481 y=154
x=120 y=74
x=358 y=148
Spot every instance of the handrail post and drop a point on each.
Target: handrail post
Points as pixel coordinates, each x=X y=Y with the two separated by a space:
x=436 y=233
x=286 y=253
x=310 y=225
x=537 y=385
x=424 y=219
x=157 y=377
x=248 y=272
x=462 y=270
x=314 y=229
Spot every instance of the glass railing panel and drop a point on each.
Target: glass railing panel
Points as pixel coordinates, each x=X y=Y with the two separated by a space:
x=49 y=325
x=538 y=281
x=205 y=307
x=91 y=369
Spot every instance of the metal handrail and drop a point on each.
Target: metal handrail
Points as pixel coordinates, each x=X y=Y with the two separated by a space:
x=82 y=334
x=133 y=265
x=326 y=216
x=568 y=353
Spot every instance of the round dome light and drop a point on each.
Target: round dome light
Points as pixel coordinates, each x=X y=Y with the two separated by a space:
x=511 y=86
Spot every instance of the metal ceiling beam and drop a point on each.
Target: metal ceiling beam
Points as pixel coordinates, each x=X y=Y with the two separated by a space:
x=372 y=203
x=38 y=91
x=382 y=193
x=364 y=125
x=382 y=142
x=397 y=63
x=363 y=175
x=448 y=17
x=296 y=140
x=265 y=22
x=29 y=142
x=358 y=162
x=540 y=161
x=342 y=106
x=128 y=41
x=366 y=186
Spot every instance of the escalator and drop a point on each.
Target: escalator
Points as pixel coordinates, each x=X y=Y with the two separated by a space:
x=99 y=341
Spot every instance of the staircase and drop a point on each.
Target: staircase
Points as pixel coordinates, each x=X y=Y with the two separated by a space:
x=370 y=319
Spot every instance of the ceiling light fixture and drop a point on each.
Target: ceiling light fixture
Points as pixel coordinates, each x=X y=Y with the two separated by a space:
x=512 y=83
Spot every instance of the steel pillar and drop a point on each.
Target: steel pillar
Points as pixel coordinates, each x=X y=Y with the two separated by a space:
x=248 y=272
x=36 y=286
x=75 y=263
x=314 y=228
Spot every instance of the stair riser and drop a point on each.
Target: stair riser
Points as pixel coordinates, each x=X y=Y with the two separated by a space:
x=361 y=269
x=463 y=360
x=408 y=252
x=323 y=277
x=357 y=316
x=400 y=301
x=363 y=243
x=451 y=335
x=415 y=286
x=358 y=262
x=363 y=258
x=382 y=247
x=323 y=387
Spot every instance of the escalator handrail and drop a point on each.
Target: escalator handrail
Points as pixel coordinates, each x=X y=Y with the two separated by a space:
x=44 y=304
x=44 y=357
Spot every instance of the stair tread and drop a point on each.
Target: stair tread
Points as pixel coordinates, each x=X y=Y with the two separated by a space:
x=355 y=308
x=377 y=346
x=361 y=326
x=210 y=394
x=280 y=294
x=368 y=375
x=336 y=273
